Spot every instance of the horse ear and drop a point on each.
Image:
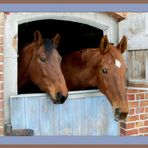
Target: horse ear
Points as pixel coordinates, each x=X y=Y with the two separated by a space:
x=122 y=46
x=104 y=44
x=56 y=39
x=38 y=38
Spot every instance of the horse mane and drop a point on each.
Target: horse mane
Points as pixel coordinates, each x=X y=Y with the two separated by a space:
x=86 y=56
x=87 y=53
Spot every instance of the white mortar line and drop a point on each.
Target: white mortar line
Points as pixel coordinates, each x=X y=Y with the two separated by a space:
x=136 y=88
x=133 y=128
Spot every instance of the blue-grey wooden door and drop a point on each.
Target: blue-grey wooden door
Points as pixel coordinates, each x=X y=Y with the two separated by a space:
x=83 y=115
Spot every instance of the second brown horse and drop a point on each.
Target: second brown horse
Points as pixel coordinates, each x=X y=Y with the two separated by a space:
x=101 y=68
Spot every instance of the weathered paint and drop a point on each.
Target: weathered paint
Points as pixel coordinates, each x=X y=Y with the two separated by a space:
x=135 y=28
x=146 y=65
x=137 y=62
x=79 y=116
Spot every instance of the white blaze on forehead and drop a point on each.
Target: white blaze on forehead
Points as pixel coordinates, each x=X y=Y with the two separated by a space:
x=118 y=63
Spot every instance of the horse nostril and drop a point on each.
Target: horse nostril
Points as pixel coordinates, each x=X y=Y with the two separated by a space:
x=60 y=98
x=59 y=95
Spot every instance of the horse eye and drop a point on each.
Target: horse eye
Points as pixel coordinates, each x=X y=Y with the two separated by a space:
x=104 y=70
x=43 y=59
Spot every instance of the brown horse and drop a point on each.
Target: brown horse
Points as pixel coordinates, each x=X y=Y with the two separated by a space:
x=40 y=63
x=101 y=68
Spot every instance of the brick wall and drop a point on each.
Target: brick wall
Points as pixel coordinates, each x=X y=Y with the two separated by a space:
x=1 y=72
x=136 y=123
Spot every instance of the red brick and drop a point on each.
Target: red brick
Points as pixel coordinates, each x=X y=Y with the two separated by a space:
x=127 y=125
x=146 y=95
x=132 y=111
x=140 y=110
x=132 y=91
x=130 y=97
x=132 y=118
x=131 y=132
x=143 y=130
x=144 y=103
x=146 y=123
x=139 y=124
x=122 y=131
x=133 y=104
x=139 y=96
x=1 y=49
x=145 y=134
x=123 y=125
x=7 y=13
x=142 y=90
x=146 y=109
x=143 y=116
x=1 y=67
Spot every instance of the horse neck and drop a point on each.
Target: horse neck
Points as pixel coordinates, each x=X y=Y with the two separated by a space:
x=91 y=57
x=24 y=64
x=89 y=67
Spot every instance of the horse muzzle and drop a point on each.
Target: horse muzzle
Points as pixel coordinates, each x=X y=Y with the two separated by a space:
x=60 y=98
x=119 y=115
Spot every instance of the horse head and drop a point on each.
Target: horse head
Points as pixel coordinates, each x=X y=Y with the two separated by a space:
x=111 y=75
x=42 y=66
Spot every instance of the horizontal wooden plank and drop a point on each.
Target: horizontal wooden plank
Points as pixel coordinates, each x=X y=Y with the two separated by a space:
x=71 y=94
x=138 y=83
x=137 y=61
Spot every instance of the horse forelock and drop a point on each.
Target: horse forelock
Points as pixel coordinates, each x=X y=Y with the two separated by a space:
x=112 y=57
x=115 y=58
x=49 y=46
x=116 y=54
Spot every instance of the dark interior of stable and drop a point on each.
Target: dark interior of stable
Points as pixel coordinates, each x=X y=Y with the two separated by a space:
x=73 y=36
